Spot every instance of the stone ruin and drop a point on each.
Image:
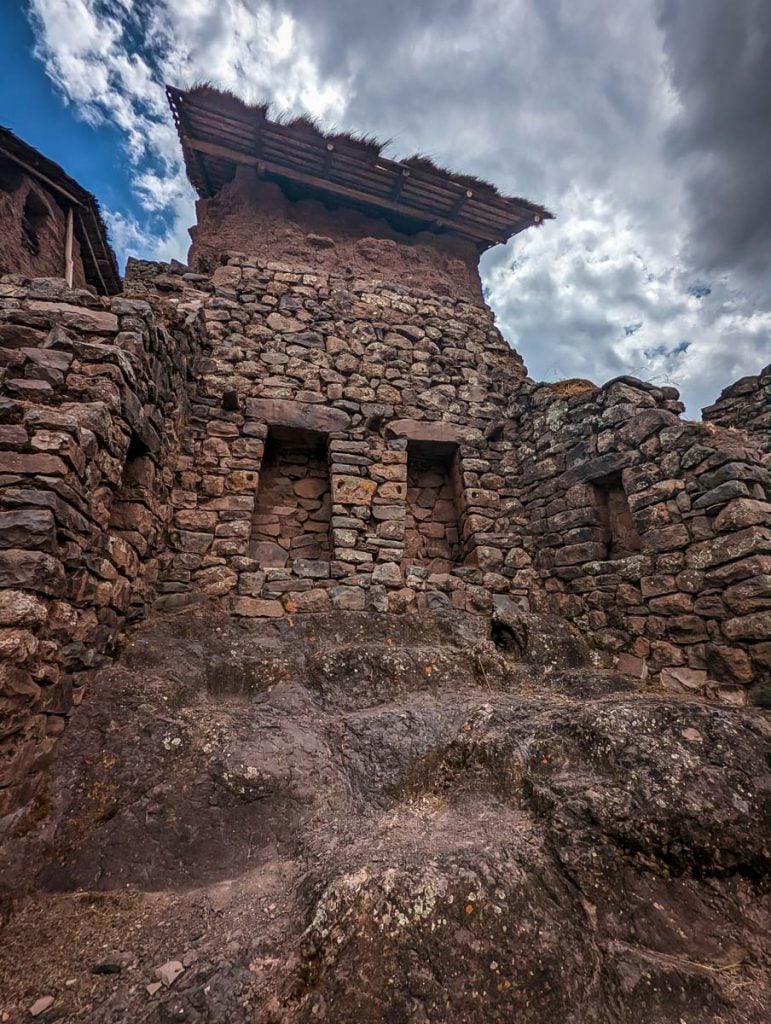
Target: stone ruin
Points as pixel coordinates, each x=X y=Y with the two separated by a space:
x=319 y=414
x=361 y=654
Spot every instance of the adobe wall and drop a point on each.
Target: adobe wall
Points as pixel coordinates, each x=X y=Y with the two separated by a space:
x=746 y=405
x=255 y=217
x=38 y=251
x=93 y=402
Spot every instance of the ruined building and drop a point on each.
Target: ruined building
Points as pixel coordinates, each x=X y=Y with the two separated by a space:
x=49 y=225
x=317 y=416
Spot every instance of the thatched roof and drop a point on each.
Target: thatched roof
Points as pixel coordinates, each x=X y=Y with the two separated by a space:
x=99 y=263
x=219 y=132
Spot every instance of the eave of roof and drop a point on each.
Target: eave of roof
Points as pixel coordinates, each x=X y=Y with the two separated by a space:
x=218 y=132
x=99 y=263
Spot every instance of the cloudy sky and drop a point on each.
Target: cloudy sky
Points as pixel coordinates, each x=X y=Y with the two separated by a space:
x=644 y=125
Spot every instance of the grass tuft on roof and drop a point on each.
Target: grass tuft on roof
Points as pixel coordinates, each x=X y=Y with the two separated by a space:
x=489 y=216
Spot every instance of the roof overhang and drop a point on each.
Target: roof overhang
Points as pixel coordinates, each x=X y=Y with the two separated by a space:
x=219 y=133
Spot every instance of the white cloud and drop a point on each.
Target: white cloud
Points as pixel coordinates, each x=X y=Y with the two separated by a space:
x=591 y=297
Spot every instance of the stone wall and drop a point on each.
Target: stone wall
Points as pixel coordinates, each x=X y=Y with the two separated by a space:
x=32 y=228
x=93 y=400
x=746 y=404
x=694 y=603
x=374 y=371
x=456 y=480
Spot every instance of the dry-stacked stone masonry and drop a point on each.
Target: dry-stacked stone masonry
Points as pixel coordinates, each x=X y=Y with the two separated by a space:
x=94 y=397
x=745 y=404
x=331 y=421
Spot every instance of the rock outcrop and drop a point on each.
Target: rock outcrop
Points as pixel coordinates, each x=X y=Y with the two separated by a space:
x=406 y=818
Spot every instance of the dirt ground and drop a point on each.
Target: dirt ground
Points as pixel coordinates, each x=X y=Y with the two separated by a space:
x=351 y=818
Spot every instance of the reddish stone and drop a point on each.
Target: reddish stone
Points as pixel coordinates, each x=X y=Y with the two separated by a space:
x=732 y=546
x=31 y=570
x=688 y=679
x=756 y=626
x=352 y=490
x=311 y=487
x=668 y=538
x=253 y=607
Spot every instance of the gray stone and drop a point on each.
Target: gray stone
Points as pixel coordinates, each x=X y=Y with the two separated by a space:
x=168 y=973
x=41 y=1005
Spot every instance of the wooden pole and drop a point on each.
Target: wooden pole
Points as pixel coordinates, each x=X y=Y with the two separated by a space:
x=41 y=176
x=90 y=247
x=68 y=267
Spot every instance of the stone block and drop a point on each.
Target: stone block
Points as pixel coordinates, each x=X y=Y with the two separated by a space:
x=281 y=412
x=80 y=318
x=27 y=528
x=268 y=554
x=215 y=581
x=45 y=465
x=434 y=430
x=756 y=626
x=31 y=570
x=316 y=600
x=251 y=583
x=671 y=604
x=730 y=547
x=687 y=629
x=13 y=436
x=348 y=598
x=683 y=679
x=667 y=538
x=19 y=608
x=253 y=607
x=388 y=574
x=721 y=495
x=750 y=595
x=631 y=665
x=575 y=554
x=388 y=512
x=352 y=490
x=196 y=543
x=741 y=513
x=311 y=487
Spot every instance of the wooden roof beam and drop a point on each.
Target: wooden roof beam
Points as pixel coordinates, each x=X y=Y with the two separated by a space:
x=43 y=177
x=90 y=248
x=401 y=181
x=324 y=184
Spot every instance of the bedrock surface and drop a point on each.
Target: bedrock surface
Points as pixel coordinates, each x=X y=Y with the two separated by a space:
x=355 y=818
